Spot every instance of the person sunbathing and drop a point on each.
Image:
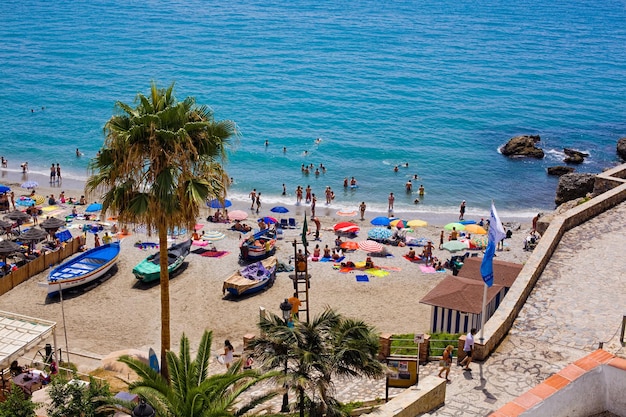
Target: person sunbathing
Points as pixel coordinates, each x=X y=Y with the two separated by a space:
x=337 y=253
x=369 y=263
x=316 y=251
x=411 y=254
x=326 y=252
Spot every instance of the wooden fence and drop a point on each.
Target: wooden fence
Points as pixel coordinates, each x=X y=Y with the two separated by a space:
x=40 y=264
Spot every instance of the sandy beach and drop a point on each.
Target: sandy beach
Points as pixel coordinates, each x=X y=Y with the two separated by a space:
x=118 y=313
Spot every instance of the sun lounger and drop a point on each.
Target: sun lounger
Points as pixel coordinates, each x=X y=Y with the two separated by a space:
x=292 y=223
x=284 y=224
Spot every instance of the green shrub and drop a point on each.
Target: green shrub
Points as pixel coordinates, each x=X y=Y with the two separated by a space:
x=17 y=404
x=439 y=341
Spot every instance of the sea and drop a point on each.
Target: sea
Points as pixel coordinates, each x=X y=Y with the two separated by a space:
x=357 y=86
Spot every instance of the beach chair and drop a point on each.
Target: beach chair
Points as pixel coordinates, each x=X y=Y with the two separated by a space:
x=284 y=224
x=292 y=223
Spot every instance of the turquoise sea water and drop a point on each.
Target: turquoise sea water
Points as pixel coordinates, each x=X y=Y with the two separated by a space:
x=440 y=85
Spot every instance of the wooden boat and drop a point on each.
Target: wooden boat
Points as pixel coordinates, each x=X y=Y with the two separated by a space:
x=83 y=269
x=252 y=278
x=257 y=246
x=149 y=269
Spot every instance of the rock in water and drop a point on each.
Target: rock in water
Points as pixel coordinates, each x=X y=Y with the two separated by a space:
x=524 y=145
x=560 y=170
x=574 y=156
x=573 y=186
x=621 y=148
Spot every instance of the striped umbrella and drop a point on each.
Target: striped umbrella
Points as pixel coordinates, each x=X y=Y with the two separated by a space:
x=398 y=224
x=213 y=235
x=370 y=246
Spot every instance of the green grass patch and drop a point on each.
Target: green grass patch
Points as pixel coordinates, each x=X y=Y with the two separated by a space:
x=402 y=344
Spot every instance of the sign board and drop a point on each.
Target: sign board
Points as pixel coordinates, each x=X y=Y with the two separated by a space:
x=418 y=338
x=402 y=372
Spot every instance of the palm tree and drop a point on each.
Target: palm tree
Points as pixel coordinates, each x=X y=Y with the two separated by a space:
x=190 y=392
x=160 y=161
x=310 y=354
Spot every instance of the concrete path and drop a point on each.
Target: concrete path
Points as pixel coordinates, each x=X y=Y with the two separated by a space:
x=578 y=302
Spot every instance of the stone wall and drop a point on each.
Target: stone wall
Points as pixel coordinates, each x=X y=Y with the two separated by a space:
x=429 y=394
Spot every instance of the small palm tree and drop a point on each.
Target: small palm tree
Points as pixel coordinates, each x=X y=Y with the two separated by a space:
x=310 y=354
x=160 y=161
x=190 y=391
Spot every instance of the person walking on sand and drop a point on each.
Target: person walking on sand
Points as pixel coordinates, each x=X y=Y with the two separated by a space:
x=446 y=361
x=295 y=305
x=468 y=348
x=318 y=226
x=462 y=210
x=12 y=196
x=313 y=201
x=227 y=356
x=535 y=220
x=441 y=237
x=258 y=202
x=362 y=208
x=96 y=241
x=58 y=172
x=252 y=196
x=391 y=200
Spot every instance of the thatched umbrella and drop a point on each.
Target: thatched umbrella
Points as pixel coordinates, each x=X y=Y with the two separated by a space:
x=33 y=235
x=51 y=225
x=18 y=216
x=7 y=247
x=5 y=227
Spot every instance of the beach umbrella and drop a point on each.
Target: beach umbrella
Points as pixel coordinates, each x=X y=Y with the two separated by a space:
x=279 y=209
x=215 y=203
x=269 y=220
x=7 y=247
x=379 y=233
x=17 y=216
x=342 y=225
x=33 y=234
x=52 y=223
x=30 y=184
x=349 y=245
x=455 y=245
x=5 y=225
x=380 y=221
x=198 y=226
x=25 y=201
x=398 y=224
x=237 y=215
x=466 y=222
x=39 y=199
x=370 y=246
x=416 y=223
x=349 y=229
x=476 y=229
x=4 y=188
x=457 y=226
x=93 y=207
x=213 y=235
x=346 y=212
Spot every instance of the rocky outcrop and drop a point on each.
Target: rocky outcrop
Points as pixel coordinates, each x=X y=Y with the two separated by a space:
x=573 y=156
x=621 y=148
x=523 y=146
x=560 y=170
x=573 y=186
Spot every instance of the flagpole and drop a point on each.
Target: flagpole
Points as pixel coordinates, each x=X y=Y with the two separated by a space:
x=482 y=319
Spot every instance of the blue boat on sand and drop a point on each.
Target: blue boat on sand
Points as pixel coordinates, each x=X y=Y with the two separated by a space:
x=83 y=269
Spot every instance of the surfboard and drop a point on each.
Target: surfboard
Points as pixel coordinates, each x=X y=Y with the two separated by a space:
x=154 y=361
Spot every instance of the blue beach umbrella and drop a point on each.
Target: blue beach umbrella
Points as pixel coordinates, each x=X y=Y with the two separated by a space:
x=466 y=222
x=380 y=221
x=217 y=204
x=279 y=209
x=4 y=188
x=379 y=233
x=93 y=207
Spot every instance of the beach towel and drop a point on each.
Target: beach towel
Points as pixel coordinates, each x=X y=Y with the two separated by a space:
x=377 y=272
x=199 y=243
x=332 y=260
x=427 y=269
x=145 y=245
x=415 y=260
x=362 y=278
x=215 y=254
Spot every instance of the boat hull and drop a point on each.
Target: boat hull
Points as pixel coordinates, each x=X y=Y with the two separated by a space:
x=237 y=286
x=149 y=270
x=83 y=269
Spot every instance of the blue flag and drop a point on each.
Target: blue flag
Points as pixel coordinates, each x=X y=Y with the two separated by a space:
x=496 y=234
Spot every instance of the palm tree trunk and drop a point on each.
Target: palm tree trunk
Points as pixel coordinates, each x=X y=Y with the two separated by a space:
x=165 y=300
x=301 y=394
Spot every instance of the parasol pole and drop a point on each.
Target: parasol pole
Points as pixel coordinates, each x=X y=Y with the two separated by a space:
x=67 y=349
